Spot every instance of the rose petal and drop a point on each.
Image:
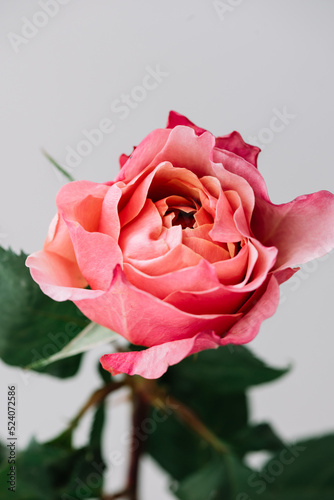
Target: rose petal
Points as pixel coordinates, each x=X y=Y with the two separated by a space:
x=202 y=276
x=81 y=201
x=285 y=274
x=184 y=149
x=144 y=238
x=170 y=180
x=56 y=265
x=97 y=255
x=145 y=320
x=207 y=249
x=260 y=306
x=253 y=256
x=262 y=260
x=241 y=222
x=143 y=155
x=232 y=182
x=202 y=217
x=301 y=230
x=58 y=278
x=123 y=159
x=243 y=170
x=109 y=220
x=154 y=362
x=134 y=195
x=234 y=143
x=224 y=228
x=233 y=271
x=251 y=272
x=219 y=300
x=175 y=119
x=58 y=239
x=175 y=259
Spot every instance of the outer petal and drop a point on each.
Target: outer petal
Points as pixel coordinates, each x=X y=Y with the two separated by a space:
x=301 y=230
x=143 y=155
x=97 y=255
x=58 y=240
x=145 y=320
x=58 y=278
x=154 y=362
x=175 y=119
x=240 y=167
x=232 y=142
x=81 y=201
x=123 y=159
x=260 y=306
x=55 y=268
x=184 y=149
x=285 y=274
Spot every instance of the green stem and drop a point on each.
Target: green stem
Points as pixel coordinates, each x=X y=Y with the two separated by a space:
x=158 y=399
x=58 y=167
x=140 y=410
x=96 y=398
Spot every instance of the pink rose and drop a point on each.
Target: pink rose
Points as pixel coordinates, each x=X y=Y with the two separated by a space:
x=183 y=251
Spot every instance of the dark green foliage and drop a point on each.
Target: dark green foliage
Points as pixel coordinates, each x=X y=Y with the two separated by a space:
x=33 y=326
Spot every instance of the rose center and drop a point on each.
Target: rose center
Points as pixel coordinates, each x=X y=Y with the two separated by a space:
x=185 y=219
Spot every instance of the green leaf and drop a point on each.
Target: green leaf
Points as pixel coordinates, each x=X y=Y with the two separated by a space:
x=41 y=469
x=212 y=384
x=33 y=326
x=177 y=449
x=256 y=438
x=3 y=454
x=222 y=478
x=224 y=413
x=92 y=336
x=95 y=438
x=303 y=471
x=205 y=483
x=226 y=370
x=58 y=167
x=105 y=376
x=87 y=474
x=54 y=470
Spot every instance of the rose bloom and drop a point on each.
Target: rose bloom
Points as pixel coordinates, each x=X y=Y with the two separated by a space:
x=183 y=251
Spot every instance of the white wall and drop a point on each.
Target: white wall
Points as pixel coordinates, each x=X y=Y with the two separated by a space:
x=224 y=72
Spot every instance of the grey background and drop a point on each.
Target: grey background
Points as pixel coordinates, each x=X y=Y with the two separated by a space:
x=225 y=72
